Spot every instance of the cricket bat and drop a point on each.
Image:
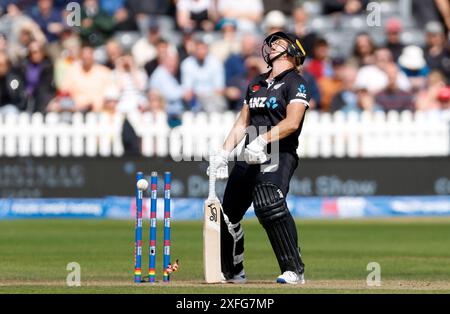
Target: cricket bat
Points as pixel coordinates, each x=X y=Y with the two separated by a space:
x=211 y=231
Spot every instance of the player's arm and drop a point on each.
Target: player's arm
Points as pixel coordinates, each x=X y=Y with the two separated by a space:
x=298 y=97
x=235 y=136
x=238 y=131
x=294 y=115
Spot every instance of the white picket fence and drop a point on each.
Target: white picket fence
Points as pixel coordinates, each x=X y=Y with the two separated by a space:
x=393 y=134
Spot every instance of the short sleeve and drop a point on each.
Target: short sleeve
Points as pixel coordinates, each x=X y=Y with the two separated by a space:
x=298 y=91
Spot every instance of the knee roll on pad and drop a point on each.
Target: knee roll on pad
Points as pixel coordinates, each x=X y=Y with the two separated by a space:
x=269 y=203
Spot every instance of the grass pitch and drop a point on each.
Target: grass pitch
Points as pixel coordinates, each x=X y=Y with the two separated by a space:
x=414 y=256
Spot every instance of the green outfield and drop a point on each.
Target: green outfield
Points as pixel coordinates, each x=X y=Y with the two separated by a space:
x=414 y=255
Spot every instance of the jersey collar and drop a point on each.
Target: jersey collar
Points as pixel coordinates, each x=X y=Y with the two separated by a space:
x=279 y=77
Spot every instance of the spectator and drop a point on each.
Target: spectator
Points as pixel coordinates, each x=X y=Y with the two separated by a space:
x=413 y=64
x=320 y=66
x=393 y=30
x=146 y=12
x=346 y=100
x=10 y=14
x=114 y=51
x=39 y=81
x=62 y=103
x=130 y=141
x=162 y=49
x=49 y=19
x=112 y=6
x=86 y=82
x=301 y=29
x=229 y=44
x=111 y=100
x=363 y=51
x=353 y=98
x=120 y=14
x=434 y=10
x=12 y=94
x=71 y=46
x=275 y=21
x=284 y=6
x=203 y=80
x=144 y=49
x=330 y=86
x=96 y=25
x=187 y=46
x=238 y=84
x=164 y=81
x=195 y=15
x=247 y=13
x=237 y=68
x=131 y=82
x=24 y=32
x=366 y=101
x=392 y=97
x=3 y=43
x=427 y=98
x=444 y=98
x=155 y=104
x=437 y=53
x=235 y=64
x=374 y=79
x=344 y=6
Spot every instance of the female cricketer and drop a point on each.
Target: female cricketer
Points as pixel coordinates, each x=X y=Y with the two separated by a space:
x=274 y=108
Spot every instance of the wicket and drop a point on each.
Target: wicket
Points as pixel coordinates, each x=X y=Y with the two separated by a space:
x=167 y=182
x=138 y=232
x=153 y=203
x=167 y=266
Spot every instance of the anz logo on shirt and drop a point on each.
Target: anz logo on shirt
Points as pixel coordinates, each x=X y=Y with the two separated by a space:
x=260 y=102
x=301 y=91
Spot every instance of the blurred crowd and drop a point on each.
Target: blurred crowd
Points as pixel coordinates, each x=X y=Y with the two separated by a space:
x=199 y=55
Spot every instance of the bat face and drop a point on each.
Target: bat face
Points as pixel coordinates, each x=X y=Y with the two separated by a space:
x=211 y=241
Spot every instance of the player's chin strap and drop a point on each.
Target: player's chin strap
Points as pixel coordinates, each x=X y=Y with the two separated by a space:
x=270 y=61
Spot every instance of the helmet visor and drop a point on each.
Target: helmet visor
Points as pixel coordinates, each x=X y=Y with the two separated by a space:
x=273 y=47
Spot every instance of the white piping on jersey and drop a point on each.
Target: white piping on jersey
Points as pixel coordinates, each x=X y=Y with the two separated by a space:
x=300 y=101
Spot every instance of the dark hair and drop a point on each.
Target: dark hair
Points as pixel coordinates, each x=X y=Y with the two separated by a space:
x=320 y=42
x=42 y=48
x=161 y=41
x=355 y=46
x=86 y=45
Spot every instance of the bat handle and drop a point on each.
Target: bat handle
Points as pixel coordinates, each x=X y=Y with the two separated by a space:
x=212 y=176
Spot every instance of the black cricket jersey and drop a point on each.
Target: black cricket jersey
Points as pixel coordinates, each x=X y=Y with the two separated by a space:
x=268 y=103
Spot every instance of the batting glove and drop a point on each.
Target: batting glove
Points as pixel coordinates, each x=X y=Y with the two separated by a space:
x=254 y=152
x=221 y=164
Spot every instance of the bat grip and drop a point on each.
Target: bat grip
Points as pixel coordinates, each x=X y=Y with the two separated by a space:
x=212 y=176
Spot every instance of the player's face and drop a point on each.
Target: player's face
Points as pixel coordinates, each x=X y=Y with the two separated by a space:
x=278 y=46
x=274 y=48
